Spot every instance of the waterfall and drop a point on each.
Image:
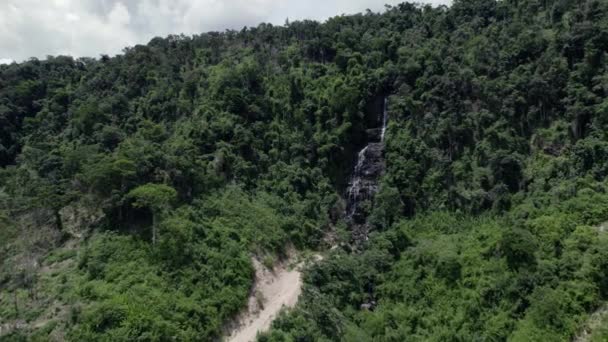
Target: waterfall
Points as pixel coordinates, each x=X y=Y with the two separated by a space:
x=384 y=119
x=363 y=183
x=355 y=183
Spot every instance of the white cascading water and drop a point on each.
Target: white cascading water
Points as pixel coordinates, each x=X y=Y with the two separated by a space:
x=363 y=183
x=354 y=186
x=384 y=119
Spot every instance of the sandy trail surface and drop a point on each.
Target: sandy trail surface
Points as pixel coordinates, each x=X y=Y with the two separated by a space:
x=273 y=290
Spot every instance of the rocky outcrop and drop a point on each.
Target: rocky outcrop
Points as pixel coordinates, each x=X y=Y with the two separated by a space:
x=80 y=217
x=364 y=183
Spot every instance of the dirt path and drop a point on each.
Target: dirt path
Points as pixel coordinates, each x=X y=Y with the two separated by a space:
x=272 y=291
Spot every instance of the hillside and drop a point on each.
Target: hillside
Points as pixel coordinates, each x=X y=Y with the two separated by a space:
x=136 y=190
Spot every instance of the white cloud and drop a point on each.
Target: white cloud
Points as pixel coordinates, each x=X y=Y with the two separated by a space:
x=93 y=27
x=31 y=28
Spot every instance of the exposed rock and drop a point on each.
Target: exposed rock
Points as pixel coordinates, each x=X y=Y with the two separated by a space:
x=593 y=323
x=79 y=217
x=369 y=306
x=374 y=134
x=364 y=181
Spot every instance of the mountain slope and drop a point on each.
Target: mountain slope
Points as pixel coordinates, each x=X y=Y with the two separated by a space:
x=135 y=189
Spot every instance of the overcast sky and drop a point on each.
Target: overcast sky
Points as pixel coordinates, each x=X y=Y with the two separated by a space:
x=37 y=28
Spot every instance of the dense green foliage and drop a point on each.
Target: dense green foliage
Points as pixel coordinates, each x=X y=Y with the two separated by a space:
x=446 y=276
x=198 y=151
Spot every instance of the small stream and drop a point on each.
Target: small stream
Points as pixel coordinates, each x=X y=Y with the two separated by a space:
x=363 y=184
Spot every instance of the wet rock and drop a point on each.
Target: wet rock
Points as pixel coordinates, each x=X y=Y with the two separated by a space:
x=364 y=181
x=374 y=134
x=369 y=306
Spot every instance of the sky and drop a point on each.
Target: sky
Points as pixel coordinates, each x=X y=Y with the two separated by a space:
x=37 y=28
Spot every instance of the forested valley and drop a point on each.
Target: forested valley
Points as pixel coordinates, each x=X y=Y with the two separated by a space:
x=135 y=189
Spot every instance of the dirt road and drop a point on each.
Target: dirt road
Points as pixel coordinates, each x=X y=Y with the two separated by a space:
x=273 y=290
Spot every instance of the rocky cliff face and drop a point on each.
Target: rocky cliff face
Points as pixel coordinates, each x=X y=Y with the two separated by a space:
x=363 y=184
